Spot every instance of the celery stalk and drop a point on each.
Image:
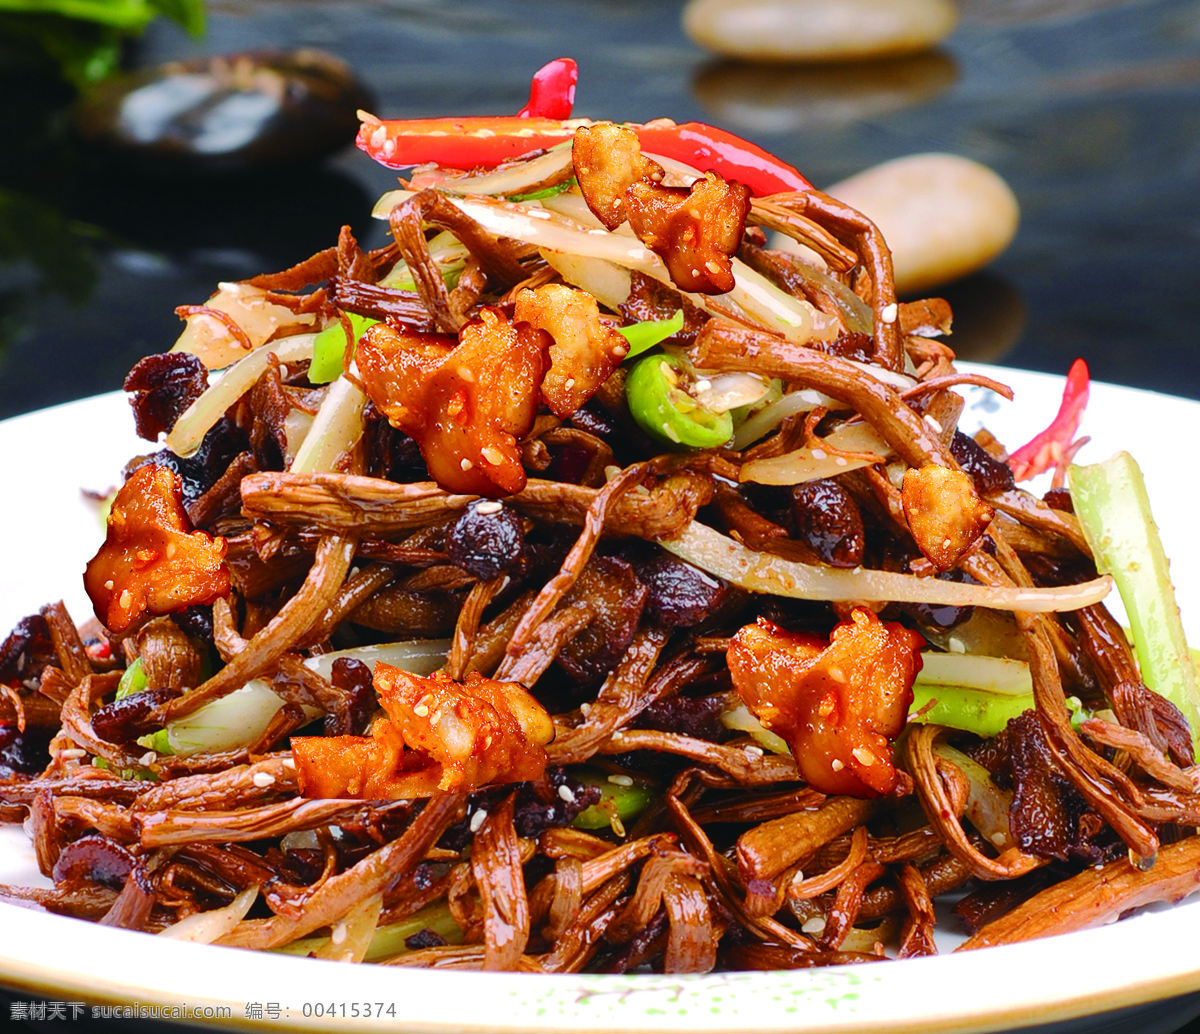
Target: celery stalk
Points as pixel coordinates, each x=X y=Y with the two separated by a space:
x=388 y=940
x=1112 y=506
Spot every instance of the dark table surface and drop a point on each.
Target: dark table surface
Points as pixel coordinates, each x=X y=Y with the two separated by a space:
x=1089 y=110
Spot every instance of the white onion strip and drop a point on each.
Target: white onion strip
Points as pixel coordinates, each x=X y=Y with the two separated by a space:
x=195 y=422
x=719 y=555
x=206 y=927
x=760 y=300
x=337 y=427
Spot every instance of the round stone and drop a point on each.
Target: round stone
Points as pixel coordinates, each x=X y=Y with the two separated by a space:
x=942 y=215
x=817 y=30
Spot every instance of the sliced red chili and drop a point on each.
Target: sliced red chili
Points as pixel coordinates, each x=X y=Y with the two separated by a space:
x=458 y=143
x=710 y=149
x=1051 y=447
x=552 y=91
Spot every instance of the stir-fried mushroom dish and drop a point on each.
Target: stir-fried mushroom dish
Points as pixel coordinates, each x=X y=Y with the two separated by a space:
x=577 y=582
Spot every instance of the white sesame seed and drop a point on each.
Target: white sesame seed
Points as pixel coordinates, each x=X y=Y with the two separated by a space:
x=466 y=464
x=998 y=839
x=617 y=779
x=956 y=645
x=493 y=455
x=262 y=779
x=478 y=819
x=933 y=423
x=836 y=765
x=338 y=936
x=864 y=756
x=421 y=711
x=566 y=793
x=814 y=925
x=148 y=759
x=889 y=313
x=819 y=454
x=489 y=506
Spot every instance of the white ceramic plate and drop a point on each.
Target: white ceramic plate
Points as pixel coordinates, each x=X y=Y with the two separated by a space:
x=48 y=531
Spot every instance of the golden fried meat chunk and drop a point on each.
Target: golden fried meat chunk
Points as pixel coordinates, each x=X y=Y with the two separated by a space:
x=944 y=513
x=583 y=352
x=467 y=404
x=152 y=561
x=838 y=704
x=608 y=160
x=695 y=230
x=440 y=736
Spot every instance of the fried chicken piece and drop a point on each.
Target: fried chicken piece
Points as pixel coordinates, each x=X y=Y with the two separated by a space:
x=440 y=736
x=584 y=351
x=152 y=561
x=695 y=230
x=467 y=405
x=944 y=513
x=838 y=704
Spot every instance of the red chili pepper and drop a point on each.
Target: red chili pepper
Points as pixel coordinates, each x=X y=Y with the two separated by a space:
x=458 y=143
x=708 y=148
x=552 y=91
x=1052 y=446
x=485 y=142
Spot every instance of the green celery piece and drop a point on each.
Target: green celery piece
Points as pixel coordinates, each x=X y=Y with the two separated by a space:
x=388 y=941
x=645 y=335
x=974 y=710
x=1112 y=506
x=330 y=347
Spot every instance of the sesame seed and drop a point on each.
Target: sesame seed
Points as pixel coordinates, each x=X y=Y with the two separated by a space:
x=108 y=586
x=570 y=383
x=864 y=756
x=819 y=454
x=478 y=819
x=620 y=780
x=493 y=455
x=262 y=779
x=997 y=839
x=889 y=313
x=836 y=765
x=814 y=925
x=466 y=464
x=489 y=506
x=464 y=373
x=566 y=793
x=933 y=423
x=148 y=758
x=421 y=711
x=338 y=936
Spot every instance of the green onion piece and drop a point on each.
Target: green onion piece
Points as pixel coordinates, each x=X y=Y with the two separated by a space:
x=388 y=941
x=133 y=680
x=1112 y=506
x=159 y=742
x=619 y=801
x=537 y=195
x=645 y=335
x=329 y=348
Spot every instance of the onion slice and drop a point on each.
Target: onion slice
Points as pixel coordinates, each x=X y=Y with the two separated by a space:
x=719 y=555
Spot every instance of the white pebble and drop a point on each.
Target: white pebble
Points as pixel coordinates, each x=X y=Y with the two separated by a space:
x=942 y=215
x=817 y=30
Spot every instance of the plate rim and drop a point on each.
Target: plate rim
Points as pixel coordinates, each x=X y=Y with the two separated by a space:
x=29 y=946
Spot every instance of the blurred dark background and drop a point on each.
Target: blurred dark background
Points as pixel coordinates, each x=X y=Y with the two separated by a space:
x=1090 y=111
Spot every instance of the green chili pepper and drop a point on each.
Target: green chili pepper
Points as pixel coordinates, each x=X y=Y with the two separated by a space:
x=660 y=404
x=619 y=800
x=133 y=680
x=645 y=335
x=329 y=348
